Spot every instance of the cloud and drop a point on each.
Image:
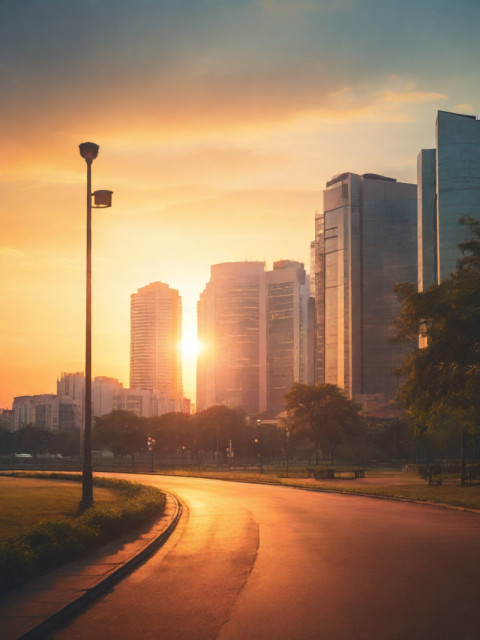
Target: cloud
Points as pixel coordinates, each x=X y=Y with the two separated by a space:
x=159 y=72
x=465 y=108
x=11 y=253
x=288 y=8
x=395 y=104
x=408 y=95
x=158 y=165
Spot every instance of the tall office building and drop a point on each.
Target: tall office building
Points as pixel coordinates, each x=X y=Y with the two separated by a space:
x=39 y=411
x=104 y=390
x=254 y=328
x=365 y=243
x=71 y=400
x=448 y=188
x=288 y=331
x=231 y=330
x=155 y=336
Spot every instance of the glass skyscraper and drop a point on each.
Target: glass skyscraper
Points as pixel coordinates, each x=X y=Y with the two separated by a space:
x=448 y=188
x=288 y=329
x=155 y=337
x=231 y=321
x=253 y=326
x=365 y=243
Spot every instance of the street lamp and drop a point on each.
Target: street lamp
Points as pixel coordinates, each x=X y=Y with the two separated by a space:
x=287 y=437
x=150 y=443
x=89 y=151
x=259 y=427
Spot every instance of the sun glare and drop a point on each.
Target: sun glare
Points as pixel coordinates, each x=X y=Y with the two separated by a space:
x=190 y=347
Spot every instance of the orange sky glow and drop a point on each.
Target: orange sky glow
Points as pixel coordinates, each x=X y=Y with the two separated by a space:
x=216 y=135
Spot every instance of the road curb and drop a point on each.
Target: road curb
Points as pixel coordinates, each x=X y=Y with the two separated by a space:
x=60 y=616
x=440 y=505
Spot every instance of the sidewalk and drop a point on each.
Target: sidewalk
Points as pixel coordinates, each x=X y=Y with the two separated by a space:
x=30 y=611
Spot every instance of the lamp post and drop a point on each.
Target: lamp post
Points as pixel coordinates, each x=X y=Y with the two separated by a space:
x=150 y=443
x=287 y=437
x=259 y=427
x=89 y=151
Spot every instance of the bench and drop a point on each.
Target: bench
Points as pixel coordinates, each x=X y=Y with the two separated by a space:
x=331 y=474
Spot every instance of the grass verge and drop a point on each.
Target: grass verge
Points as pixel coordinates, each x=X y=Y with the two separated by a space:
x=387 y=485
x=54 y=542
x=28 y=501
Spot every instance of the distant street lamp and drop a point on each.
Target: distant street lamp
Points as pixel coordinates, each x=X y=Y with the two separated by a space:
x=259 y=427
x=102 y=199
x=287 y=437
x=150 y=443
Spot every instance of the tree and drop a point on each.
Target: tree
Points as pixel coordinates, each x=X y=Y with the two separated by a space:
x=7 y=441
x=67 y=442
x=324 y=414
x=171 y=431
x=442 y=377
x=216 y=426
x=122 y=432
x=34 y=440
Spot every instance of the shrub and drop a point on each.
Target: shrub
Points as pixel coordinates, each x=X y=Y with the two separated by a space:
x=51 y=543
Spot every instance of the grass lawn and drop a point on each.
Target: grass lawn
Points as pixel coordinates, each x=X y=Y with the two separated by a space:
x=40 y=527
x=25 y=502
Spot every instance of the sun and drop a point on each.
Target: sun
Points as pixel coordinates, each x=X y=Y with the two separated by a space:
x=190 y=347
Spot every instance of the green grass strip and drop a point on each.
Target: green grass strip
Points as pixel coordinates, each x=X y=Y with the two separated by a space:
x=467 y=497
x=52 y=543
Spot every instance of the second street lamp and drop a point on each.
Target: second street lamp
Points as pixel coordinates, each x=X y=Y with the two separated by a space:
x=89 y=151
x=287 y=438
x=150 y=443
x=259 y=429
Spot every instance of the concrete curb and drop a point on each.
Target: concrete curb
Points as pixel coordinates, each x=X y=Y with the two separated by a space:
x=53 y=621
x=439 y=505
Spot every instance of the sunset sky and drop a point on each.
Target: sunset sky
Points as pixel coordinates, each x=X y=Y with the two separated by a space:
x=219 y=122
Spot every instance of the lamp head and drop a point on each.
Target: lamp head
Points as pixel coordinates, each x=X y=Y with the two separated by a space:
x=102 y=198
x=89 y=150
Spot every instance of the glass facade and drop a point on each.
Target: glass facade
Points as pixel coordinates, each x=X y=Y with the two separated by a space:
x=280 y=341
x=450 y=188
x=229 y=330
x=365 y=244
x=389 y=251
x=155 y=336
x=427 y=218
x=287 y=328
x=317 y=293
x=254 y=329
x=237 y=332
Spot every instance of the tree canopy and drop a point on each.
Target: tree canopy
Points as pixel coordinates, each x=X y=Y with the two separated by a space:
x=126 y=433
x=121 y=431
x=324 y=414
x=442 y=375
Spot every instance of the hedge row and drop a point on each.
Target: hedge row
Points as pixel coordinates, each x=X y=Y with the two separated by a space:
x=51 y=543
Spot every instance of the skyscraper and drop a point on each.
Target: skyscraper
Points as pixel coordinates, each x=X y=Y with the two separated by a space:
x=448 y=188
x=254 y=329
x=155 y=336
x=288 y=328
x=365 y=243
x=231 y=330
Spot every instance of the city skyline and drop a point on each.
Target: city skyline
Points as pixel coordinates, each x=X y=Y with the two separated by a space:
x=218 y=127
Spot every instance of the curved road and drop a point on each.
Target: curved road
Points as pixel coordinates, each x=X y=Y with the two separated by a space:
x=272 y=563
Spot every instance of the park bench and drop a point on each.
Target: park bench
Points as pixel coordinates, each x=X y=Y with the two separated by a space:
x=331 y=474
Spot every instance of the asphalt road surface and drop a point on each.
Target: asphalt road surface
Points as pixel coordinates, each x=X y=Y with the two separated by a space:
x=272 y=563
